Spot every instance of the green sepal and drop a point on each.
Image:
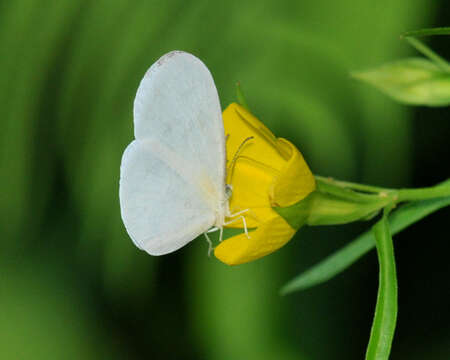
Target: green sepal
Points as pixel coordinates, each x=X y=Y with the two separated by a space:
x=240 y=97
x=331 y=205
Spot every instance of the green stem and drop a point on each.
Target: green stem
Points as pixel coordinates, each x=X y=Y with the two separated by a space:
x=425 y=50
x=437 y=191
x=428 y=32
x=397 y=195
x=340 y=202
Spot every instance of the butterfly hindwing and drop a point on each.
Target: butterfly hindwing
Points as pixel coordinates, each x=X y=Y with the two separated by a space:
x=162 y=210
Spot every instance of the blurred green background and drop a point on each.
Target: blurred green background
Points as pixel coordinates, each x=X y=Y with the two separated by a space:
x=72 y=284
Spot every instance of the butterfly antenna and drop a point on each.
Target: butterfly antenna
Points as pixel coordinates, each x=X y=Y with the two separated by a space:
x=236 y=155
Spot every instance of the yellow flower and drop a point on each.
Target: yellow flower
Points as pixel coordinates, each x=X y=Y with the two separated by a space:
x=264 y=172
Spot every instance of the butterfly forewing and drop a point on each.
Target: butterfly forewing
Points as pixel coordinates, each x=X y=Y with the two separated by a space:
x=177 y=103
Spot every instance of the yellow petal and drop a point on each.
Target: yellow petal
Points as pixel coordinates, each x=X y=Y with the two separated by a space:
x=239 y=125
x=250 y=182
x=295 y=180
x=252 y=166
x=264 y=172
x=267 y=238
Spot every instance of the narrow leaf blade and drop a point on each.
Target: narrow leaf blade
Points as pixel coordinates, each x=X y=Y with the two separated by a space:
x=343 y=258
x=385 y=318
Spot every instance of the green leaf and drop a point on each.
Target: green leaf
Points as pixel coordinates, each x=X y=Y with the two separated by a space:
x=413 y=81
x=385 y=319
x=428 y=32
x=336 y=263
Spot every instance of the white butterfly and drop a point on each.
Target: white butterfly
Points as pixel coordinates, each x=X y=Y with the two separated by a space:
x=172 y=176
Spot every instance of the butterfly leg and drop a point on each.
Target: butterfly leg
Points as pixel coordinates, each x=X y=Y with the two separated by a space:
x=210 y=245
x=221 y=234
x=243 y=221
x=238 y=213
x=220 y=229
x=245 y=226
x=240 y=218
x=213 y=229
